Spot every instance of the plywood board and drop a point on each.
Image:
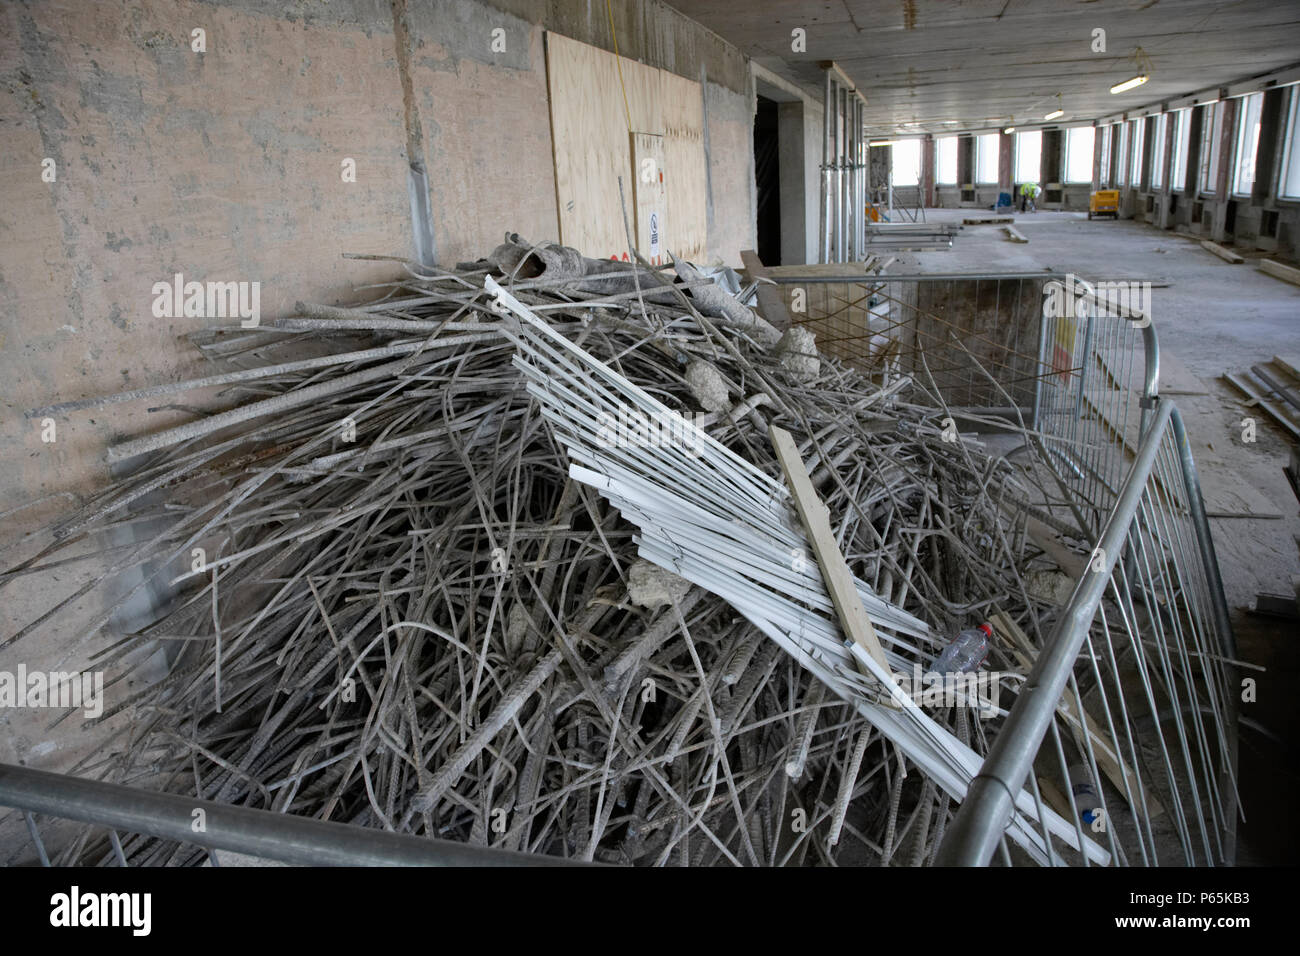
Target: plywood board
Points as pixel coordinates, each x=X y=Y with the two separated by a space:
x=651 y=205
x=591 y=125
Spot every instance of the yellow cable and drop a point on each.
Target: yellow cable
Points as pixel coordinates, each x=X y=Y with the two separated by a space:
x=618 y=63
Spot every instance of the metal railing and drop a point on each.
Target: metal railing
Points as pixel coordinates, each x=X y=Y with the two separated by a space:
x=218 y=826
x=1146 y=640
x=1146 y=708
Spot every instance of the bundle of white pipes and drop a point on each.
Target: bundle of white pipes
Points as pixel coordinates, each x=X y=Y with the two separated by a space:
x=714 y=519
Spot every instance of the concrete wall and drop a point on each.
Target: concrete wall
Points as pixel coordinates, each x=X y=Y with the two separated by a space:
x=226 y=165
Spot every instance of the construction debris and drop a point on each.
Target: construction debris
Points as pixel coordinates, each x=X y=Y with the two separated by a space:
x=405 y=593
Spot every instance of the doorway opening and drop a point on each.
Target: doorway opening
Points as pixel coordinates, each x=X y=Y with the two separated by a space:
x=767 y=180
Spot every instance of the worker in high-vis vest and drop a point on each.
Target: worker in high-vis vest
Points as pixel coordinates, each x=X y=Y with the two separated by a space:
x=1028 y=193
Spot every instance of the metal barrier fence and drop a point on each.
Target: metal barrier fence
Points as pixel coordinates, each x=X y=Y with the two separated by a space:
x=1076 y=363
x=1146 y=641
x=210 y=826
x=1079 y=365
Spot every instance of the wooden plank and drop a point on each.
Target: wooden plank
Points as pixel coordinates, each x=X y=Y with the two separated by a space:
x=1273 y=409
x=685 y=168
x=1289 y=365
x=1277 y=386
x=771 y=305
x=835 y=570
x=1279 y=271
x=1014 y=234
x=1227 y=255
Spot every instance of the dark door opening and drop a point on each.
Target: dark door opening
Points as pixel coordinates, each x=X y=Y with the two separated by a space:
x=767 y=182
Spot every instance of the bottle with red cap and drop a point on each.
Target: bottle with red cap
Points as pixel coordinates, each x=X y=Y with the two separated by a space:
x=966 y=652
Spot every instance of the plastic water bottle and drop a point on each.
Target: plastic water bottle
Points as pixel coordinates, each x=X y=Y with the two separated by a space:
x=1086 y=798
x=966 y=652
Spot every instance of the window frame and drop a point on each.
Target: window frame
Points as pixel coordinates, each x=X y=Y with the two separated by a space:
x=1015 y=164
x=938 y=160
x=980 y=139
x=1248 y=102
x=1137 y=137
x=1159 y=133
x=1182 y=147
x=894 y=154
x=1290 y=148
x=1092 y=153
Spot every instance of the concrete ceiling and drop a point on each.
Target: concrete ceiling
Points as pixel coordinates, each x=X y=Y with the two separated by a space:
x=969 y=64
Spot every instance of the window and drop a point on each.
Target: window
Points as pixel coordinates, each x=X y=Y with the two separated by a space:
x=986 y=158
x=1135 y=165
x=1079 y=142
x=1182 y=141
x=1247 y=143
x=1158 y=151
x=1121 y=154
x=1289 y=186
x=1029 y=156
x=1211 y=127
x=945 y=160
x=907 y=162
x=1106 y=143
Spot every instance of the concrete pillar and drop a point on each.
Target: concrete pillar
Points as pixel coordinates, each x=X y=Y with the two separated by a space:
x=1006 y=152
x=1227 y=162
x=927 y=171
x=1096 y=157
x=1164 y=218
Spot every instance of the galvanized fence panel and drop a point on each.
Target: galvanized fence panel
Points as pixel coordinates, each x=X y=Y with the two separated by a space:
x=1146 y=643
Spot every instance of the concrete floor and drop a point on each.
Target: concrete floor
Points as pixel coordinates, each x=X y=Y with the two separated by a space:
x=1214 y=317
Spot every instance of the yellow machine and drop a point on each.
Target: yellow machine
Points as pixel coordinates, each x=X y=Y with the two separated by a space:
x=1103 y=202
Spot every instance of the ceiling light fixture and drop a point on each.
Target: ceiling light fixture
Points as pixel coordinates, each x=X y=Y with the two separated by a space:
x=1129 y=84
x=883 y=142
x=1054 y=114
x=1009 y=130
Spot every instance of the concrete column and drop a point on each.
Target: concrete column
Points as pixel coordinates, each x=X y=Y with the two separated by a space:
x=1006 y=150
x=1096 y=157
x=1164 y=218
x=927 y=171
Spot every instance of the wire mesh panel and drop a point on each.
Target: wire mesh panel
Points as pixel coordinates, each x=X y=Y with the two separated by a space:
x=971 y=338
x=1076 y=360
x=1100 y=363
x=1145 y=644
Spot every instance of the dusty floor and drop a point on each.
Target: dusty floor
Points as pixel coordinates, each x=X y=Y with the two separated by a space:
x=1214 y=317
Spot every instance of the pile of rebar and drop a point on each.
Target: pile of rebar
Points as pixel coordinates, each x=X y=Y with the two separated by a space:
x=391 y=605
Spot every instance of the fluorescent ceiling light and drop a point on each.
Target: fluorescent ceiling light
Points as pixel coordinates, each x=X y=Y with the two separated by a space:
x=1129 y=84
x=1054 y=114
x=1009 y=130
x=882 y=142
